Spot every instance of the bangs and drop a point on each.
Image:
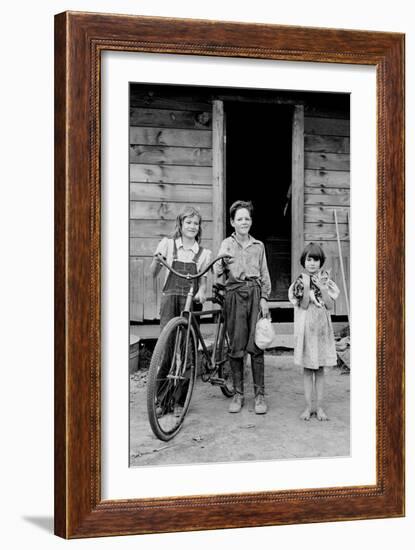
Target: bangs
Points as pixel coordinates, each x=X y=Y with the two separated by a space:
x=188 y=212
x=313 y=251
x=313 y=256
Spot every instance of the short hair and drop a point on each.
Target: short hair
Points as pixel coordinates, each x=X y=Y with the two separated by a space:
x=313 y=250
x=237 y=205
x=187 y=212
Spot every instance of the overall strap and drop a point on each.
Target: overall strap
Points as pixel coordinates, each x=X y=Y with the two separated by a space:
x=174 y=249
x=199 y=253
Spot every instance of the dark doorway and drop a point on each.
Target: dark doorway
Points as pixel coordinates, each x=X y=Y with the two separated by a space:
x=258 y=168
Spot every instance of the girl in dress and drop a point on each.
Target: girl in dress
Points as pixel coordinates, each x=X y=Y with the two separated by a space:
x=313 y=294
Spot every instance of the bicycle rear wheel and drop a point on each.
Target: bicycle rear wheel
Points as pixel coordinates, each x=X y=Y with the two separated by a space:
x=224 y=369
x=171 y=378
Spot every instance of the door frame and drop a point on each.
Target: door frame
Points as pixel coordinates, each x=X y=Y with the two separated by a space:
x=297 y=189
x=297 y=183
x=218 y=173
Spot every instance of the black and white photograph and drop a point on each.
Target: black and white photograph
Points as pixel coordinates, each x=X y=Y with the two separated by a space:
x=239 y=265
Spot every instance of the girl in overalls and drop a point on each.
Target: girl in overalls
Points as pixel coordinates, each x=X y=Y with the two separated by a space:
x=184 y=254
x=247 y=288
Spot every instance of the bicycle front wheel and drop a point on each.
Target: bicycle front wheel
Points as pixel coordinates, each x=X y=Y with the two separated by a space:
x=171 y=378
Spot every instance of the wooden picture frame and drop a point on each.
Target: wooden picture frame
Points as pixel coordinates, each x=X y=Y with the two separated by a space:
x=80 y=38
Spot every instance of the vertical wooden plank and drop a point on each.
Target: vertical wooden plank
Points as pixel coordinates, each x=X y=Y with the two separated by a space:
x=336 y=275
x=334 y=264
x=150 y=291
x=159 y=290
x=297 y=202
x=136 y=289
x=342 y=265
x=218 y=172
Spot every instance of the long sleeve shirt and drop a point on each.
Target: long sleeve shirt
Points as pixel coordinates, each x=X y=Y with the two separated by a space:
x=249 y=260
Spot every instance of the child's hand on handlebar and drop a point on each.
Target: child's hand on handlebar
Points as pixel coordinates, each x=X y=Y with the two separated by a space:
x=200 y=296
x=228 y=259
x=159 y=257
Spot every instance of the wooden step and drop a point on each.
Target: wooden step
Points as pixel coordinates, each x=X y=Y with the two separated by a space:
x=284 y=332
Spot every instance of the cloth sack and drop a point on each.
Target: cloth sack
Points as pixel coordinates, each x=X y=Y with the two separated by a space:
x=264 y=333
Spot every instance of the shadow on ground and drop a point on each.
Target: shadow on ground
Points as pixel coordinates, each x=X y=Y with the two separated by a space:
x=43 y=522
x=211 y=434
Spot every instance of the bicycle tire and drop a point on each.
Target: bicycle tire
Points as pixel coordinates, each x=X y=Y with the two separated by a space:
x=169 y=392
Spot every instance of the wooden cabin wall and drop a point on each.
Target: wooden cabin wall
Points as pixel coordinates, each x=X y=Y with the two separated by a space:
x=327 y=188
x=170 y=166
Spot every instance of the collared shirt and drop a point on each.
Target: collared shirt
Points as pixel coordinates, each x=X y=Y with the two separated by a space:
x=249 y=260
x=165 y=248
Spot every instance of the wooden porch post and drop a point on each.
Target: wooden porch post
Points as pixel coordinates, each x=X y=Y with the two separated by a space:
x=218 y=172
x=297 y=202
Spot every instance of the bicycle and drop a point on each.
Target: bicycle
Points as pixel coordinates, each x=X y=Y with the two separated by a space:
x=174 y=363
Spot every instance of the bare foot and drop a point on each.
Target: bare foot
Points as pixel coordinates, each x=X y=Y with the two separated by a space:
x=306 y=414
x=321 y=415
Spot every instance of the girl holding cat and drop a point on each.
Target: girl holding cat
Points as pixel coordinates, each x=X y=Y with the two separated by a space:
x=313 y=294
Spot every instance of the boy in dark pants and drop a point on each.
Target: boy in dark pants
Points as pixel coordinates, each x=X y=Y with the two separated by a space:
x=247 y=287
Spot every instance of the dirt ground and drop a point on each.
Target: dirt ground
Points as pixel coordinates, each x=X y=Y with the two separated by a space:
x=211 y=434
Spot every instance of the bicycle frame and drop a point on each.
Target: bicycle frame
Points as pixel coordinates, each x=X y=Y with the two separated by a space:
x=168 y=400
x=191 y=316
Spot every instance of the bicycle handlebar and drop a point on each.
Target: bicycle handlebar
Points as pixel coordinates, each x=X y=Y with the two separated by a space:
x=162 y=260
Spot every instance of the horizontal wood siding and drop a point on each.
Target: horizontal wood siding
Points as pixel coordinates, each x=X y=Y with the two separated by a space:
x=171 y=157
x=146 y=247
x=170 y=167
x=161 y=228
x=153 y=173
x=327 y=187
x=170 y=136
x=177 y=156
x=169 y=192
x=147 y=210
x=170 y=118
